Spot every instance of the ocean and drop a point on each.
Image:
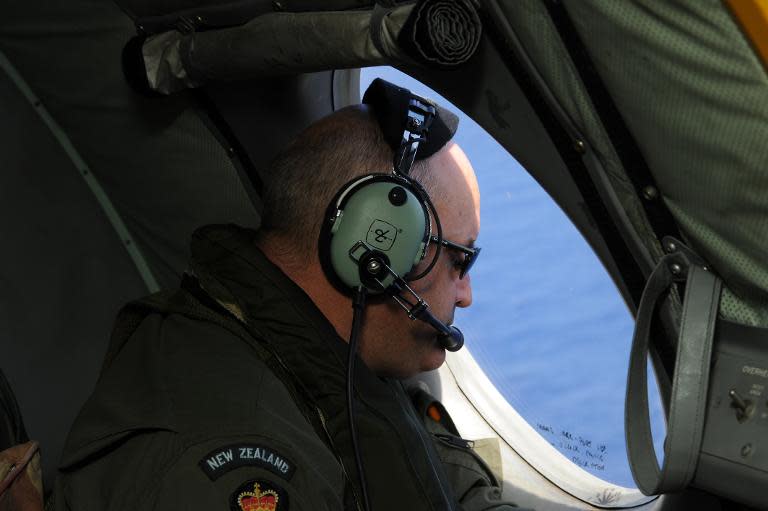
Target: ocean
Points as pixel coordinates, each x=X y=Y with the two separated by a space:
x=547 y=324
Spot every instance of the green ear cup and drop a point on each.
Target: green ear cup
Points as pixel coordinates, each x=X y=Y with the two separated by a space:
x=386 y=216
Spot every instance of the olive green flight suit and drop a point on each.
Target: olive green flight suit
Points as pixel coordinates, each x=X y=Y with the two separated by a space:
x=230 y=394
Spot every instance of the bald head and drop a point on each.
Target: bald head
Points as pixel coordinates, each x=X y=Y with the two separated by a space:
x=454 y=186
x=306 y=175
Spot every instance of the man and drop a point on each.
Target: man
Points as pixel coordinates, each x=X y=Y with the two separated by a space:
x=230 y=394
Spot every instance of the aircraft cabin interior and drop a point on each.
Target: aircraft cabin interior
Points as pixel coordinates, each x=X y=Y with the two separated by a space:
x=639 y=126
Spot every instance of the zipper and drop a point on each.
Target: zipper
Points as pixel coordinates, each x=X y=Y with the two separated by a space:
x=338 y=457
x=187 y=25
x=455 y=440
x=323 y=424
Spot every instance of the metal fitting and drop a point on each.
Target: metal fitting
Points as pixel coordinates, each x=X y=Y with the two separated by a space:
x=650 y=193
x=746 y=450
x=373 y=266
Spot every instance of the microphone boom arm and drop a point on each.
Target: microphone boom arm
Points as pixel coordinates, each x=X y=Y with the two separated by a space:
x=449 y=337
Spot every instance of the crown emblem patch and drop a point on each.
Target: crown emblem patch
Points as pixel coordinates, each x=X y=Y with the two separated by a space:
x=257 y=495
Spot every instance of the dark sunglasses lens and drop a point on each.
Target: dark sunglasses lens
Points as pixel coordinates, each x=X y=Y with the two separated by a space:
x=469 y=260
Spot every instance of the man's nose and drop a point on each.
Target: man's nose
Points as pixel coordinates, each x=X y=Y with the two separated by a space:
x=464 y=291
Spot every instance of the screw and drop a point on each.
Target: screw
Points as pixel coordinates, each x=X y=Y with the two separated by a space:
x=579 y=147
x=373 y=266
x=414 y=124
x=650 y=193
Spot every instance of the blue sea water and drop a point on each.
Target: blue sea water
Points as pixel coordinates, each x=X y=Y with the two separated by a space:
x=547 y=324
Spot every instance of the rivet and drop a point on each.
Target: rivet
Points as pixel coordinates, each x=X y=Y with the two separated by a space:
x=278 y=6
x=670 y=246
x=650 y=193
x=199 y=19
x=746 y=450
x=675 y=268
x=579 y=146
x=414 y=124
x=373 y=266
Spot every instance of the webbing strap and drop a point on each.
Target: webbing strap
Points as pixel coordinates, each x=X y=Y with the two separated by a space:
x=377 y=19
x=685 y=424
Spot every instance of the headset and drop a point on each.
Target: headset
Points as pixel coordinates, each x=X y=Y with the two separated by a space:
x=378 y=227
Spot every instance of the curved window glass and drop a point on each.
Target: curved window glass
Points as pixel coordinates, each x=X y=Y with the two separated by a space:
x=547 y=326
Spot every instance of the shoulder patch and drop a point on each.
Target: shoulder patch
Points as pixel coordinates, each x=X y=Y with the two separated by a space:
x=220 y=461
x=258 y=495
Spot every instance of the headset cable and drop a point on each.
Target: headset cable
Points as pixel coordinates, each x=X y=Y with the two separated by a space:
x=358 y=308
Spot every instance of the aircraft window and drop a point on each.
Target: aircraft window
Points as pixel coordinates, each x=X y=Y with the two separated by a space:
x=547 y=325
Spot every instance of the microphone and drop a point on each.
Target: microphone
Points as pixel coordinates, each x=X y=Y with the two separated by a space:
x=454 y=341
x=450 y=337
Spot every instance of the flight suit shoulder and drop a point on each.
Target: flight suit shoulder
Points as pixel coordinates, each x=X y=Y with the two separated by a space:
x=234 y=472
x=217 y=381
x=244 y=435
x=178 y=398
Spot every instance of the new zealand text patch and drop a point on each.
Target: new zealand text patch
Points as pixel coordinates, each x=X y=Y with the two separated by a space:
x=220 y=461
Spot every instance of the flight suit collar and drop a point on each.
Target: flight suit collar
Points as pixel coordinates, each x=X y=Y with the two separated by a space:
x=232 y=269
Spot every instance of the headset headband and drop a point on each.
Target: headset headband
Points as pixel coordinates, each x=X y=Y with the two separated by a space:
x=420 y=117
x=388 y=102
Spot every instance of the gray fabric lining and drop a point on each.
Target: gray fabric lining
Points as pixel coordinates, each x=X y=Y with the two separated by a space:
x=64 y=273
x=693 y=94
x=155 y=158
x=533 y=25
x=287 y=43
x=85 y=172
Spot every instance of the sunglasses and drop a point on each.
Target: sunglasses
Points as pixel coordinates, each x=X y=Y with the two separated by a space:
x=470 y=254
